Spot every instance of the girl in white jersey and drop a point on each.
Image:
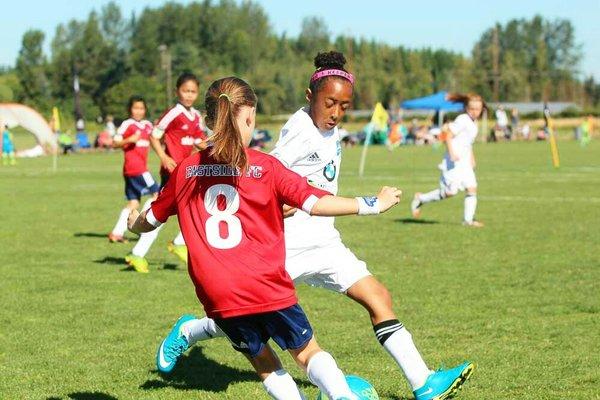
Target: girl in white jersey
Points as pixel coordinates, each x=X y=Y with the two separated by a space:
x=459 y=161
x=309 y=145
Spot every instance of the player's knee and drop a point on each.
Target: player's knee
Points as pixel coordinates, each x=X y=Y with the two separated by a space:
x=265 y=362
x=379 y=300
x=448 y=193
x=472 y=191
x=303 y=355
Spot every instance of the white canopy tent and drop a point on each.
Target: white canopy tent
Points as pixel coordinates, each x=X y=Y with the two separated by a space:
x=13 y=114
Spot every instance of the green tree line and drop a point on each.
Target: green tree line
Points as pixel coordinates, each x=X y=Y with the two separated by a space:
x=116 y=56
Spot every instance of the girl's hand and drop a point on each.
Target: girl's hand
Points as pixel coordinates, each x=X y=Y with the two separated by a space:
x=288 y=211
x=388 y=197
x=168 y=163
x=135 y=137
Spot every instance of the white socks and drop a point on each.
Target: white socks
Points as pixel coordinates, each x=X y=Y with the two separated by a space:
x=323 y=371
x=281 y=386
x=394 y=337
x=470 y=207
x=196 y=330
x=145 y=241
x=178 y=241
x=121 y=225
x=434 y=195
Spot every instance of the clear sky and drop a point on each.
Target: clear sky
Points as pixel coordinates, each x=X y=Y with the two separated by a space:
x=453 y=25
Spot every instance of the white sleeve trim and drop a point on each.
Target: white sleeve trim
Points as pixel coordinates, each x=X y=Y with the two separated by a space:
x=152 y=219
x=168 y=118
x=309 y=203
x=123 y=127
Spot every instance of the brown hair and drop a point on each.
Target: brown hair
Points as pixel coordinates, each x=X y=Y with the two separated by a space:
x=223 y=100
x=465 y=98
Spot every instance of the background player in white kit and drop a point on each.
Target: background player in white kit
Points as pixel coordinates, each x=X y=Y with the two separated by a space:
x=309 y=144
x=458 y=165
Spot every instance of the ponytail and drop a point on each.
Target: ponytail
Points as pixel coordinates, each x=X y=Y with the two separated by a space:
x=223 y=101
x=465 y=98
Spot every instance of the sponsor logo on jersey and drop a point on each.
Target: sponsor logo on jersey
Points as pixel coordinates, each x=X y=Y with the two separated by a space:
x=187 y=141
x=185 y=127
x=329 y=171
x=142 y=143
x=314 y=157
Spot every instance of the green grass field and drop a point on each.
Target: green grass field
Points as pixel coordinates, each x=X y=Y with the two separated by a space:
x=520 y=297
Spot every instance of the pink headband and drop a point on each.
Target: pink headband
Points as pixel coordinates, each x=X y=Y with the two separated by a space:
x=332 y=72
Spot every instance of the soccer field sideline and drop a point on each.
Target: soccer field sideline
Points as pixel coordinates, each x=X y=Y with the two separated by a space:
x=519 y=297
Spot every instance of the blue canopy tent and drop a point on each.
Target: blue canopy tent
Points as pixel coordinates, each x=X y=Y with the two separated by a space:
x=436 y=102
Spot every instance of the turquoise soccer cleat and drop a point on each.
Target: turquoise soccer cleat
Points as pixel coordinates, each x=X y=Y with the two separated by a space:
x=444 y=384
x=173 y=346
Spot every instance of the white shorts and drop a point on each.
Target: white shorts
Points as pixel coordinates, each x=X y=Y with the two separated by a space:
x=457 y=179
x=332 y=266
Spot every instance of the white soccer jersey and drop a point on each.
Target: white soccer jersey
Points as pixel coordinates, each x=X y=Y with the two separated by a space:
x=315 y=155
x=464 y=132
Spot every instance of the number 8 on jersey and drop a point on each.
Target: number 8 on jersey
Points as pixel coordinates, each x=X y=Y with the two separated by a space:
x=213 y=223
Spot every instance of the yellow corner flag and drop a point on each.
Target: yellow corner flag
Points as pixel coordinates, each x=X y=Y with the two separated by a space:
x=380 y=117
x=553 y=145
x=56 y=119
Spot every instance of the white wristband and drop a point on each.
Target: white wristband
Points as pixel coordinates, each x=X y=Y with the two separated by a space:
x=368 y=205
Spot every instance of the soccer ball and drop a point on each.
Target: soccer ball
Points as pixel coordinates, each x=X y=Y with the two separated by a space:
x=360 y=387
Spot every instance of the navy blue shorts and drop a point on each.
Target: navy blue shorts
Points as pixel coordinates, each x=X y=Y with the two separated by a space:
x=249 y=334
x=140 y=185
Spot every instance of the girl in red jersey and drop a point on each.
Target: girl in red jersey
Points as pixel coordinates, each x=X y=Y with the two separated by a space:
x=133 y=137
x=229 y=200
x=181 y=131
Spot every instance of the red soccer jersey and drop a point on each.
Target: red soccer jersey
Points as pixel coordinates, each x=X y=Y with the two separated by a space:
x=182 y=129
x=233 y=228
x=136 y=154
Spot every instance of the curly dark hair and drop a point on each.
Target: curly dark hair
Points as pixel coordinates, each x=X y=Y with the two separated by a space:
x=327 y=60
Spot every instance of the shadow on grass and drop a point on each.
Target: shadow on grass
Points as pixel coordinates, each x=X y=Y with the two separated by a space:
x=86 y=396
x=416 y=221
x=196 y=371
x=171 y=266
x=99 y=235
x=91 y=396
x=111 y=260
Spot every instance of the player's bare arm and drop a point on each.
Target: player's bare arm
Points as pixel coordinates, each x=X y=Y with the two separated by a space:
x=335 y=205
x=131 y=139
x=166 y=161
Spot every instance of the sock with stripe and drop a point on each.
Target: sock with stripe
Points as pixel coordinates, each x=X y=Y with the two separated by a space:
x=398 y=342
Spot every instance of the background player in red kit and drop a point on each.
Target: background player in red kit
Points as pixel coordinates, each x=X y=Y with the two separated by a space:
x=181 y=131
x=229 y=203
x=133 y=137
